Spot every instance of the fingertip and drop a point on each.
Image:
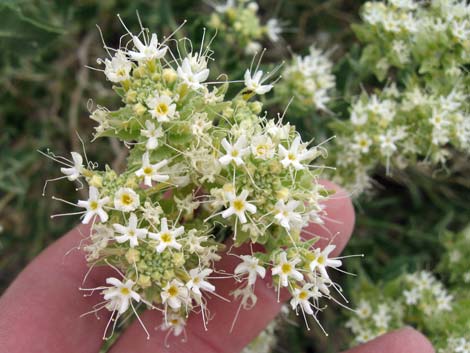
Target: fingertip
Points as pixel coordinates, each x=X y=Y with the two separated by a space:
x=405 y=340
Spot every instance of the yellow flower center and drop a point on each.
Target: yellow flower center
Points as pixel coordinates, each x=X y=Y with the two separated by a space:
x=303 y=295
x=126 y=199
x=173 y=291
x=174 y=322
x=125 y=291
x=261 y=150
x=166 y=237
x=238 y=205
x=286 y=268
x=162 y=109
x=148 y=170
x=235 y=153
x=291 y=157
x=93 y=205
x=121 y=72
x=321 y=260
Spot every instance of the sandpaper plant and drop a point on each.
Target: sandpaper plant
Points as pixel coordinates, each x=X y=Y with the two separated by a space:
x=203 y=170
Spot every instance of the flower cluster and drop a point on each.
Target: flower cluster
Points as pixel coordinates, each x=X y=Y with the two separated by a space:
x=308 y=80
x=409 y=299
x=407 y=34
x=456 y=345
x=425 y=295
x=422 y=116
x=375 y=317
x=455 y=263
x=239 y=24
x=201 y=168
x=398 y=129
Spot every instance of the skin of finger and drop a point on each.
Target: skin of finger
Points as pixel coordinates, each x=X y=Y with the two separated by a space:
x=218 y=338
x=406 y=340
x=40 y=311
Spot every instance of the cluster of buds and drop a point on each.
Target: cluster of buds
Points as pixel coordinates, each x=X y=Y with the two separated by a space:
x=201 y=168
x=308 y=80
x=239 y=24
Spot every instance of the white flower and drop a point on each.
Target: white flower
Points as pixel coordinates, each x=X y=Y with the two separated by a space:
x=321 y=283
x=94 y=206
x=401 y=51
x=444 y=301
x=161 y=107
x=120 y=295
x=150 y=171
x=364 y=309
x=250 y=265
x=286 y=216
x=126 y=200
x=262 y=147
x=466 y=277
x=460 y=30
x=404 y=4
x=255 y=84
x=198 y=282
x=175 y=323
x=374 y=13
x=224 y=7
x=252 y=48
x=234 y=152
x=74 y=172
x=278 y=131
x=438 y=119
x=118 y=68
x=387 y=143
x=273 y=29
x=238 y=206
x=358 y=117
x=152 y=133
x=167 y=237
x=200 y=124
x=192 y=75
x=364 y=336
x=286 y=269
x=362 y=143
x=384 y=109
x=152 y=50
x=381 y=317
x=322 y=261
x=301 y=296
x=412 y=296
x=175 y=294
x=295 y=155
x=130 y=233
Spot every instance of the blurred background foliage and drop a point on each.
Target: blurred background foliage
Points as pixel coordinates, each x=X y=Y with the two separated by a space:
x=45 y=92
